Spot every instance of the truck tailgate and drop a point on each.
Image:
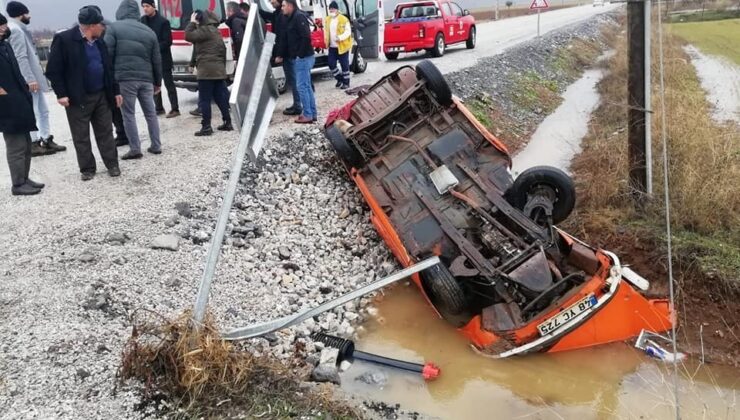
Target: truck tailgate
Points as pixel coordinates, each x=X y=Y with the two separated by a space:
x=400 y=31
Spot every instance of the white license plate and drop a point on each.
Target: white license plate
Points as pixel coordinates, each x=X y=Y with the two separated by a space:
x=566 y=315
x=181 y=69
x=396 y=49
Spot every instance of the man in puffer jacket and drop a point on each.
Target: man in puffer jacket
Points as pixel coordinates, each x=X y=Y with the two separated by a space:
x=137 y=62
x=209 y=56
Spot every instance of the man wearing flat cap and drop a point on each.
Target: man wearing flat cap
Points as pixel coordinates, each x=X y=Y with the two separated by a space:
x=81 y=75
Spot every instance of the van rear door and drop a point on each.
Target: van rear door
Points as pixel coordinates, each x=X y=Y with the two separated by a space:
x=370 y=20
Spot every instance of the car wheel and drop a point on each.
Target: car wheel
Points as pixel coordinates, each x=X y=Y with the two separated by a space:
x=282 y=85
x=347 y=152
x=439 y=46
x=470 y=43
x=546 y=181
x=391 y=56
x=443 y=290
x=359 y=64
x=426 y=70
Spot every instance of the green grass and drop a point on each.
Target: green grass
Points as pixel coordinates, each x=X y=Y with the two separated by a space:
x=531 y=92
x=715 y=38
x=717 y=253
x=481 y=109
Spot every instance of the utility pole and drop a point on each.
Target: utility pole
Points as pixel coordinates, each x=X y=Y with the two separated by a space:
x=638 y=85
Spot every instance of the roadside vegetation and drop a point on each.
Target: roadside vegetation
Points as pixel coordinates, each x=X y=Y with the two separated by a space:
x=187 y=374
x=713 y=37
x=704 y=168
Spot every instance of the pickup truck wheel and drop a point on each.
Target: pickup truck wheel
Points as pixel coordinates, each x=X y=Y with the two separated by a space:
x=470 y=43
x=347 y=152
x=439 y=46
x=391 y=56
x=426 y=70
x=443 y=290
x=551 y=182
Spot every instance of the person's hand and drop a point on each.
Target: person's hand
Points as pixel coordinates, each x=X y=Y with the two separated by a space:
x=63 y=102
x=157 y=89
x=33 y=87
x=3 y=92
x=119 y=101
x=191 y=69
x=194 y=17
x=278 y=60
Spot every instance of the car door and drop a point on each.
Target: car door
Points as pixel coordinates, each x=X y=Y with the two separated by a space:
x=370 y=19
x=450 y=23
x=461 y=32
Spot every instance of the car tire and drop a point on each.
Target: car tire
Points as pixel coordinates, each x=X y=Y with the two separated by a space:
x=282 y=85
x=391 y=56
x=346 y=151
x=470 y=43
x=443 y=290
x=557 y=183
x=359 y=64
x=426 y=70
x=439 y=46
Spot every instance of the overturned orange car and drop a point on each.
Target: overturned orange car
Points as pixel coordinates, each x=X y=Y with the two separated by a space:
x=438 y=183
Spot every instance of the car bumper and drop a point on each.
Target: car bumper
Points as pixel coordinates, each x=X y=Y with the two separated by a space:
x=408 y=46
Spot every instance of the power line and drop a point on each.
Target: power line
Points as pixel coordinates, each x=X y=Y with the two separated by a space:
x=667 y=196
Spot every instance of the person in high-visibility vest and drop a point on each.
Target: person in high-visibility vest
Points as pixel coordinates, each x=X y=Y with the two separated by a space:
x=338 y=37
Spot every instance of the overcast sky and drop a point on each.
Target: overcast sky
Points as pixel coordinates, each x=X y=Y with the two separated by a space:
x=58 y=14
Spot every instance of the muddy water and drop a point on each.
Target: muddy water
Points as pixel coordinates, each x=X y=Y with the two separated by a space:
x=558 y=137
x=720 y=78
x=613 y=381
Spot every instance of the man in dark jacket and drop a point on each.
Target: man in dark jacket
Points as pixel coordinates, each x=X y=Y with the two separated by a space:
x=81 y=75
x=209 y=55
x=16 y=119
x=138 y=70
x=237 y=22
x=299 y=51
x=163 y=30
x=278 y=21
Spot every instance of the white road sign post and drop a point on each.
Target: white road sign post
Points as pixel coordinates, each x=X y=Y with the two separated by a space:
x=538 y=5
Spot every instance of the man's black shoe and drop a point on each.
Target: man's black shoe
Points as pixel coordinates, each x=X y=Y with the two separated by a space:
x=196 y=112
x=121 y=141
x=154 y=151
x=38 y=148
x=86 y=176
x=292 y=111
x=114 y=172
x=132 y=155
x=49 y=142
x=225 y=127
x=161 y=112
x=25 y=189
x=35 y=184
x=344 y=86
x=339 y=83
x=204 y=131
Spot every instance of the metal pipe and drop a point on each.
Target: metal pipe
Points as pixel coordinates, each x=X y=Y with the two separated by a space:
x=416 y=145
x=648 y=103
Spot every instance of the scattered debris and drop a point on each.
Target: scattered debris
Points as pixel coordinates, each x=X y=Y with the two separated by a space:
x=326 y=372
x=168 y=242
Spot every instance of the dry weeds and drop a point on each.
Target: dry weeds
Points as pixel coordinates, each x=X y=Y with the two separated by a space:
x=197 y=374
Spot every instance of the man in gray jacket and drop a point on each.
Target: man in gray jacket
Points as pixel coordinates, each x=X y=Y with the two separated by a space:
x=28 y=60
x=137 y=63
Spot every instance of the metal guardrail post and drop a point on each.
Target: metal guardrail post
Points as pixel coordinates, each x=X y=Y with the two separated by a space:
x=214 y=251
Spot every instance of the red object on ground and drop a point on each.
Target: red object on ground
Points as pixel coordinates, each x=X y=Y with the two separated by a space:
x=430 y=372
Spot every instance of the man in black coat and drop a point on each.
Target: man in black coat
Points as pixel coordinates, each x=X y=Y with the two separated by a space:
x=162 y=28
x=81 y=74
x=16 y=119
x=236 y=20
x=278 y=21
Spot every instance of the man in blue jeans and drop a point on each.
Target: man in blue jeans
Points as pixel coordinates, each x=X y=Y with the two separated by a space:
x=299 y=52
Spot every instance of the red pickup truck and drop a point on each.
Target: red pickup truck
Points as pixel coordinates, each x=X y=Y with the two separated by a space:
x=428 y=25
